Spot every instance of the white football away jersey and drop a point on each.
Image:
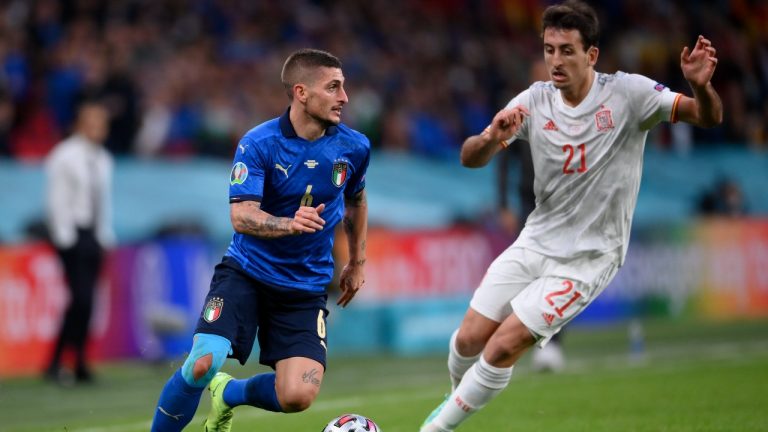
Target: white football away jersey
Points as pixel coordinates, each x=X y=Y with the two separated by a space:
x=588 y=161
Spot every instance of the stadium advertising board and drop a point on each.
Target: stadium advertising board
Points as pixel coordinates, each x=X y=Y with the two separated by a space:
x=32 y=298
x=418 y=285
x=421 y=264
x=714 y=269
x=146 y=302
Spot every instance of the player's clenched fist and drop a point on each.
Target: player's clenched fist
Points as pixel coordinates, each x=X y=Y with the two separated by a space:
x=506 y=123
x=307 y=219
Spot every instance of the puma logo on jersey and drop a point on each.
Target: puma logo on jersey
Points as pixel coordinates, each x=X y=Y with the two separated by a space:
x=550 y=126
x=284 y=170
x=242 y=147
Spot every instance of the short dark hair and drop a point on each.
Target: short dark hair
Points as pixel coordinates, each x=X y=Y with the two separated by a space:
x=302 y=61
x=574 y=15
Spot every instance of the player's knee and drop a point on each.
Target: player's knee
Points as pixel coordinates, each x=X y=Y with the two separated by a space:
x=198 y=371
x=509 y=345
x=296 y=400
x=202 y=366
x=209 y=352
x=464 y=345
x=296 y=397
x=474 y=333
x=469 y=344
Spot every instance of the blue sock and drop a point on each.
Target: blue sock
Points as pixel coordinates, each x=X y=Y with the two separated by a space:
x=177 y=405
x=258 y=391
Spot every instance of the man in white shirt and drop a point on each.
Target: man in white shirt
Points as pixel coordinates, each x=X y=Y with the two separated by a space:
x=79 y=177
x=587 y=132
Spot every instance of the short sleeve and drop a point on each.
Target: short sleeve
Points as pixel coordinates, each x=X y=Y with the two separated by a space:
x=357 y=182
x=651 y=102
x=524 y=99
x=246 y=179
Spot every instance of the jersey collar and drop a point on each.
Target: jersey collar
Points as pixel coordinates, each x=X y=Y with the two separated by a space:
x=289 y=132
x=583 y=106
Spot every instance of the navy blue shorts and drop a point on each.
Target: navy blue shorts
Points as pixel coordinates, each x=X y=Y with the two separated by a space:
x=289 y=322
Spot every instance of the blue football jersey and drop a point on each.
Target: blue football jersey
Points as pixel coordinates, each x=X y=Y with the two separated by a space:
x=283 y=171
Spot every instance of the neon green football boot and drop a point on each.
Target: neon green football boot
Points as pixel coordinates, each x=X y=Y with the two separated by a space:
x=220 y=416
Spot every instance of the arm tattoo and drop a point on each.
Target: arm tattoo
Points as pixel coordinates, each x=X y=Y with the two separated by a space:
x=272 y=223
x=309 y=377
x=349 y=226
x=272 y=226
x=358 y=200
x=256 y=222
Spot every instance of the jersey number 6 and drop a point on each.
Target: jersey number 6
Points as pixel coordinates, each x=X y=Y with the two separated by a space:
x=306 y=199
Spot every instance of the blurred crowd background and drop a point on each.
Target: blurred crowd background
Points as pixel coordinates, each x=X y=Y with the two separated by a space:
x=189 y=77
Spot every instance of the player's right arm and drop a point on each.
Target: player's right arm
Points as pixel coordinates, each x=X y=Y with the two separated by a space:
x=705 y=109
x=247 y=217
x=478 y=150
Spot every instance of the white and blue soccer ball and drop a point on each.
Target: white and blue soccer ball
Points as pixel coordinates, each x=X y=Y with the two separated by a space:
x=351 y=423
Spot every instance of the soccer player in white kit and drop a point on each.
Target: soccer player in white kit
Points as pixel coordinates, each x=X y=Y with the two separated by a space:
x=587 y=132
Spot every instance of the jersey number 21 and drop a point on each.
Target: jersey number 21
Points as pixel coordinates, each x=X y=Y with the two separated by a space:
x=582 y=164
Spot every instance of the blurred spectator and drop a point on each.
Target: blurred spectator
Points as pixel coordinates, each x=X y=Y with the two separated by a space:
x=107 y=78
x=724 y=199
x=79 y=175
x=187 y=78
x=6 y=121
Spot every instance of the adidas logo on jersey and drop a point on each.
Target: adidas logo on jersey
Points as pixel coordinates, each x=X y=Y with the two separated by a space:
x=548 y=318
x=551 y=126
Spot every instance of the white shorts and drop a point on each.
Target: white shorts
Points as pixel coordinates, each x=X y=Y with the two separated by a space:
x=545 y=293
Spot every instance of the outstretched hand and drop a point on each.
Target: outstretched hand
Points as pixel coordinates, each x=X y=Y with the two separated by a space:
x=698 y=65
x=307 y=220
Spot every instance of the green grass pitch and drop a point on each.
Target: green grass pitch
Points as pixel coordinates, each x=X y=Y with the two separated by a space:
x=693 y=376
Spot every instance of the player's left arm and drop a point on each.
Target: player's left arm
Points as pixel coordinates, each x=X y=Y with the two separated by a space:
x=704 y=109
x=355 y=224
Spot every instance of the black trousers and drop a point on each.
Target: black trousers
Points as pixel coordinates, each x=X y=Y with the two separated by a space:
x=82 y=265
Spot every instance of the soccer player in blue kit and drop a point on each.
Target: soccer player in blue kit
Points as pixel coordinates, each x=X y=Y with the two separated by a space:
x=293 y=179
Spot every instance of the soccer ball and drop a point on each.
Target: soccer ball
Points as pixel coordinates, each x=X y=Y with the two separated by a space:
x=351 y=423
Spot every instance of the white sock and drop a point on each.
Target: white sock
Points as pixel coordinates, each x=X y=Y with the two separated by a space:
x=481 y=383
x=432 y=428
x=458 y=364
